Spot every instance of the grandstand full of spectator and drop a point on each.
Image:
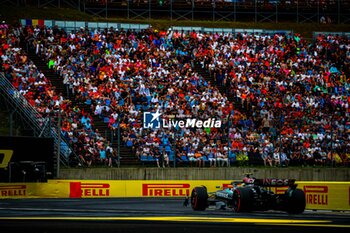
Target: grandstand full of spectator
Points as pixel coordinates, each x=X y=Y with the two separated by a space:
x=293 y=96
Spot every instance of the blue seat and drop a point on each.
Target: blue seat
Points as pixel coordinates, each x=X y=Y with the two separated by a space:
x=150 y=158
x=143 y=158
x=165 y=140
x=232 y=156
x=106 y=120
x=171 y=156
x=149 y=99
x=88 y=102
x=184 y=158
x=167 y=148
x=129 y=143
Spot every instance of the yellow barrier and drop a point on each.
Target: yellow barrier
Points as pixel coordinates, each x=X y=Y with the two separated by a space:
x=136 y=188
x=324 y=196
x=327 y=196
x=52 y=189
x=319 y=195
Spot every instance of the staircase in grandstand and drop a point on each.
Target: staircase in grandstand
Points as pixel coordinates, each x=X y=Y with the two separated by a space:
x=126 y=154
x=34 y=122
x=223 y=90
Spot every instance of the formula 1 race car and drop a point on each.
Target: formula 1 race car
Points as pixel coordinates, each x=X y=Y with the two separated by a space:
x=252 y=195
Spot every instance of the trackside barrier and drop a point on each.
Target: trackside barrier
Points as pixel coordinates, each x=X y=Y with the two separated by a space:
x=76 y=25
x=319 y=195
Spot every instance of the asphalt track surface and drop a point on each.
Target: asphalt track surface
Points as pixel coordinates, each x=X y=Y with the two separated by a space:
x=154 y=215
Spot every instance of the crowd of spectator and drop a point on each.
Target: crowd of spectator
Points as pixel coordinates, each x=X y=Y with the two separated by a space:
x=77 y=126
x=293 y=96
x=123 y=73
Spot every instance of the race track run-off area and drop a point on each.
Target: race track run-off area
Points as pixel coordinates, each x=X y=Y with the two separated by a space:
x=154 y=215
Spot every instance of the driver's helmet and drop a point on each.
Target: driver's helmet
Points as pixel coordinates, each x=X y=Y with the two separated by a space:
x=248 y=180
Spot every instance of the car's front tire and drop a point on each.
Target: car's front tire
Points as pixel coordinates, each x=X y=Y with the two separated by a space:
x=199 y=198
x=242 y=200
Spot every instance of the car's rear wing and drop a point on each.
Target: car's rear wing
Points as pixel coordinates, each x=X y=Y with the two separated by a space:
x=271 y=182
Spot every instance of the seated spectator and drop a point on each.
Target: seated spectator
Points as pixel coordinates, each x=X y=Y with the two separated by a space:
x=284 y=159
x=103 y=156
x=220 y=158
x=276 y=161
x=199 y=159
x=212 y=157
x=157 y=155
x=165 y=159
x=191 y=158
x=266 y=157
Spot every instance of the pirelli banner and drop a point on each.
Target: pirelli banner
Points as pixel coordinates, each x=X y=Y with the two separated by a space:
x=319 y=195
x=51 y=189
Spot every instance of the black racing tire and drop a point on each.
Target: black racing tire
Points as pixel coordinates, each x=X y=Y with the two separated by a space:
x=296 y=201
x=199 y=198
x=242 y=200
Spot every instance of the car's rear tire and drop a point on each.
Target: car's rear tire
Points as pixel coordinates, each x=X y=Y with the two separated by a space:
x=242 y=200
x=296 y=201
x=199 y=198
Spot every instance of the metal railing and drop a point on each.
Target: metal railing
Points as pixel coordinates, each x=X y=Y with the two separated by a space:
x=77 y=25
x=271 y=11
x=234 y=31
x=23 y=107
x=41 y=126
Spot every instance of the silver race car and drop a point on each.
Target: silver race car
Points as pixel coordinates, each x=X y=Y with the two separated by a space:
x=252 y=195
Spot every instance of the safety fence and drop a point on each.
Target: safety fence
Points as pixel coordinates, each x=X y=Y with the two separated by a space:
x=77 y=25
x=232 y=30
x=319 y=195
x=272 y=11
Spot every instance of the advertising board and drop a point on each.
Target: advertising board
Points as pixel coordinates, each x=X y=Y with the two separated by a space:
x=319 y=195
